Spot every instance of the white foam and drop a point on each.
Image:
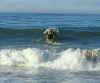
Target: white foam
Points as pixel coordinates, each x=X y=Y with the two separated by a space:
x=69 y=59
x=74 y=59
x=24 y=57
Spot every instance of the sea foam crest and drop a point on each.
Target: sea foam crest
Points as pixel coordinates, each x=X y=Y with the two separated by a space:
x=24 y=57
x=76 y=59
x=69 y=59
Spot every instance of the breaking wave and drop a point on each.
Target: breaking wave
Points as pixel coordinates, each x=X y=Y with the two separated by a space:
x=69 y=59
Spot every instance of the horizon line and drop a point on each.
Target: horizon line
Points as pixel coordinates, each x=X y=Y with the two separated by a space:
x=54 y=12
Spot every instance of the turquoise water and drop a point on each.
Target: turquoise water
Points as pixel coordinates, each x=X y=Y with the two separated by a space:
x=26 y=57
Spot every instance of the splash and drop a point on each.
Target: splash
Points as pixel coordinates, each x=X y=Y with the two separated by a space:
x=24 y=57
x=76 y=59
x=69 y=59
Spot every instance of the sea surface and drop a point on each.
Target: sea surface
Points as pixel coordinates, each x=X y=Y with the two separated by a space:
x=26 y=57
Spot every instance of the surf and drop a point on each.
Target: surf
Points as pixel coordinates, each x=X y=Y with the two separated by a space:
x=69 y=59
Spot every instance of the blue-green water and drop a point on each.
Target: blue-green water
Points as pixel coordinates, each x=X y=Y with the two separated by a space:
x=79 y=30
x=26 y=57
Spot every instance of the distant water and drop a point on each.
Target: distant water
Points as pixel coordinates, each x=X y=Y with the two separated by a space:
x=25 y=56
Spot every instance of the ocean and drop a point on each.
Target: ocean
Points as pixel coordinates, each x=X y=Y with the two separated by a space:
x=26 y=57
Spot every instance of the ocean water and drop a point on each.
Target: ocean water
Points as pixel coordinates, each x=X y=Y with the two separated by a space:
x=25 y=56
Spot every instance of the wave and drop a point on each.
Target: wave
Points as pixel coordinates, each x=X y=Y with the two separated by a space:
x=69 y=59
x=63 y=33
